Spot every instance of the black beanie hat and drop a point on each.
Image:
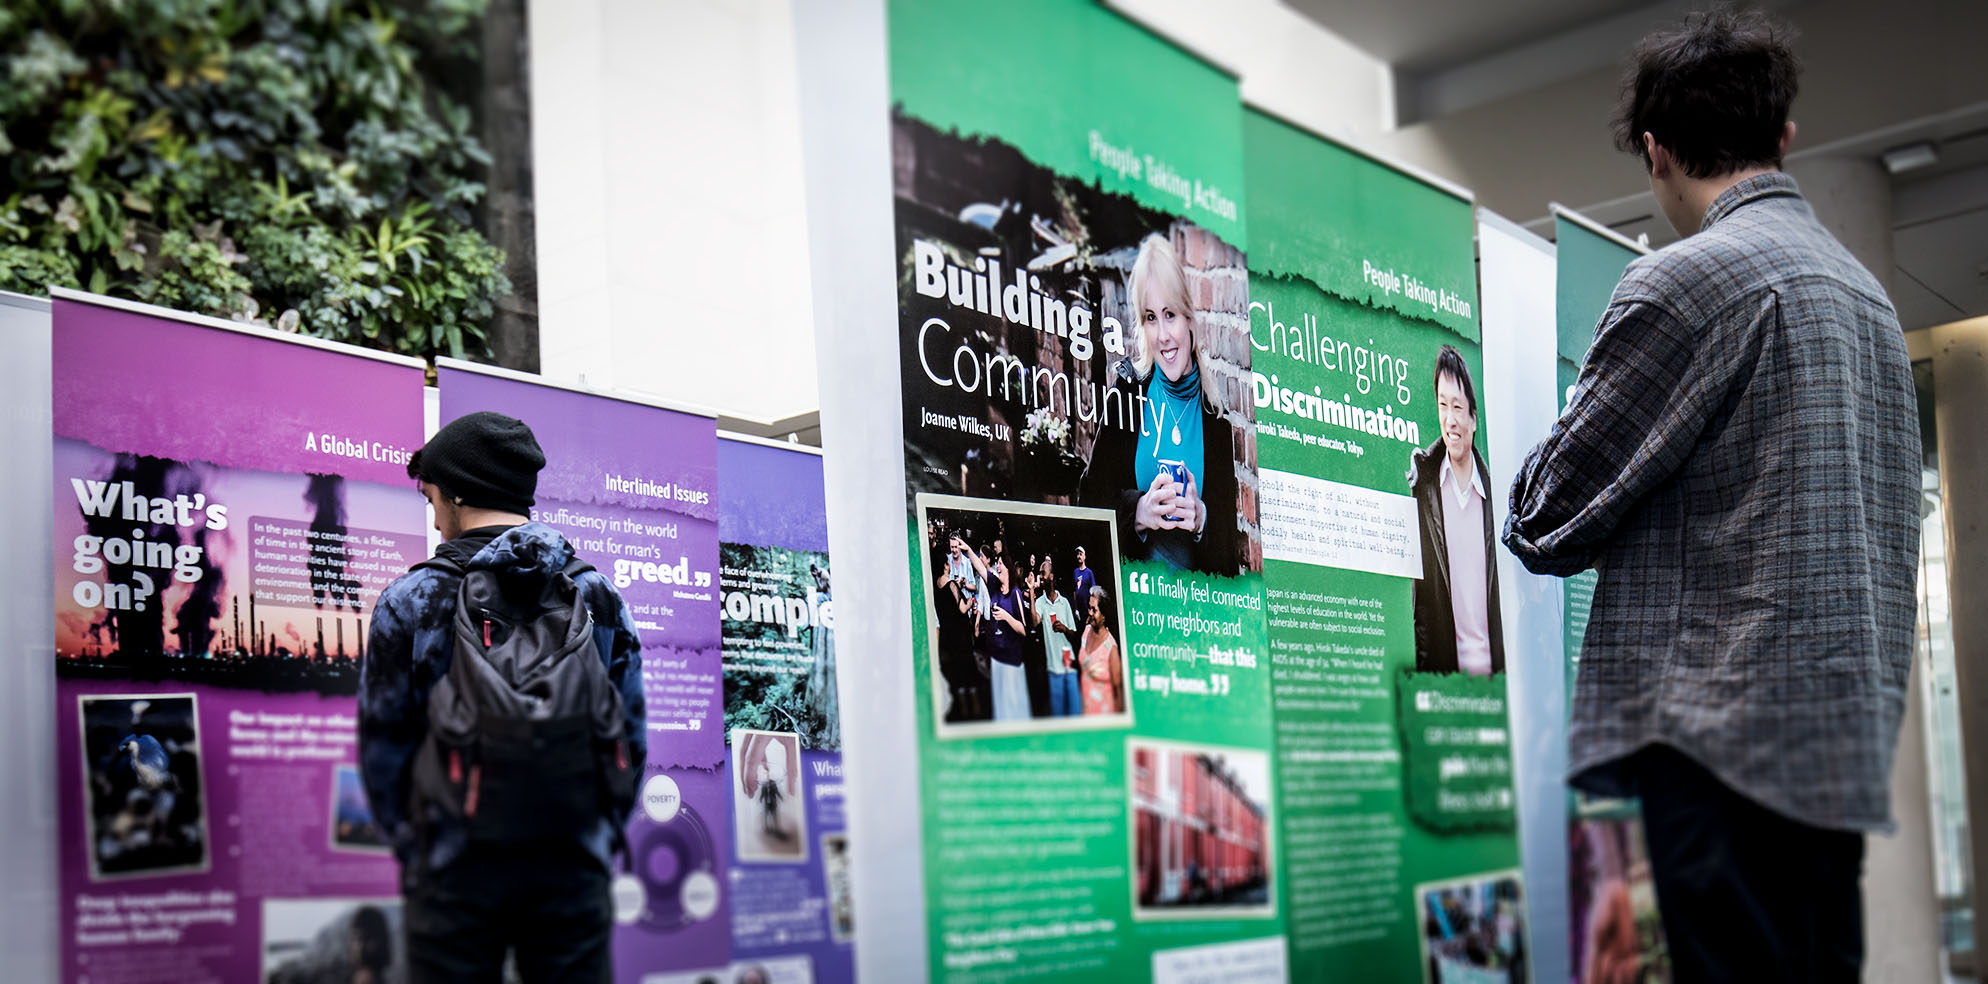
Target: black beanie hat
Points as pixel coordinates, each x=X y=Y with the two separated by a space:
x=483 y=460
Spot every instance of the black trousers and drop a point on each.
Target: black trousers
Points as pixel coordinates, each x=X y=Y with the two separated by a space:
x=549 y=905
x=1747 y=894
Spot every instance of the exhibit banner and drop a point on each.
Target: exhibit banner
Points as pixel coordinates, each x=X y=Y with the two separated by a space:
x=792 y=917
x=633 y=487
x=1516 y=282
x=1095 y=777
x=228 y=503
x=1393 y=745
x=1614 y=929
x=1591 y=260
x=32 y=894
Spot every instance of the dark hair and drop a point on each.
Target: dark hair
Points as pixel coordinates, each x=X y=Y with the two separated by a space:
x=375 y=938
x=1714 y=92
x=1449 y=360
x=419 y=474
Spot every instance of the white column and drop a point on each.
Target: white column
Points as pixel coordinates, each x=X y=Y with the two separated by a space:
x=1852 y=198
x=845 y=139
x=672 y=234
x=1960 y=387
x=570 y=116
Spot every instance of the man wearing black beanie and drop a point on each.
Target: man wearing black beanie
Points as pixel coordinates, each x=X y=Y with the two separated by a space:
x=480 y=461
x=470 y=899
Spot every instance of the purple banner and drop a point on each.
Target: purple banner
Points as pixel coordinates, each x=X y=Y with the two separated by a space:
x=227 y=505
x=147 y=385
x=633 y=487
x=791 y=914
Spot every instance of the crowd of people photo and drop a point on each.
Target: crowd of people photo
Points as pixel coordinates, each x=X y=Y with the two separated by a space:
x=1025 y=619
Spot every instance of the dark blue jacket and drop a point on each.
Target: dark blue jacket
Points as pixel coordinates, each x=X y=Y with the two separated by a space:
x=409 y=649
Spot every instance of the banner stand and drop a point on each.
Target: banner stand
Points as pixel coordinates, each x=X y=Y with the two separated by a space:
x=27 y=631
x=1516 y=278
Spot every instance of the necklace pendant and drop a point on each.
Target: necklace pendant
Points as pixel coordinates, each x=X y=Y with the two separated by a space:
x=1176 y=433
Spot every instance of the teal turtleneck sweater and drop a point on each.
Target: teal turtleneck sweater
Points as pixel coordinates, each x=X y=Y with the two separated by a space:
x=1171 y=433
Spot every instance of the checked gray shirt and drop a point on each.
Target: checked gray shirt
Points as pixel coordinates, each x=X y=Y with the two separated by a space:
x=1740 y=462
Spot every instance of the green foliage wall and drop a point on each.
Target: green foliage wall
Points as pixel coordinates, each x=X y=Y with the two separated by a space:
x=280 y=161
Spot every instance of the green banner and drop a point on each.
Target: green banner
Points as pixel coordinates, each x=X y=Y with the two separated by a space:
x=1367 y=234
x=1613 y=924
x=1080 y=92
x=1393 y=751
x=1589 y=266
x=1094 y=737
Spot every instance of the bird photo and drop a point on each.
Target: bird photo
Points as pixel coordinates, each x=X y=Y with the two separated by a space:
x=147 y=760
x=143 y=785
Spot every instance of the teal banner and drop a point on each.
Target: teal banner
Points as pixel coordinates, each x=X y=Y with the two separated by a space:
x=1614 y=930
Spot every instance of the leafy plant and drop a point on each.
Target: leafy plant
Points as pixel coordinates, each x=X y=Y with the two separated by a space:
x=277 y=161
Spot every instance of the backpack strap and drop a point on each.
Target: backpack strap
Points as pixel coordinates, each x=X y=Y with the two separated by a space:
x=573 y=568
x=440 y=563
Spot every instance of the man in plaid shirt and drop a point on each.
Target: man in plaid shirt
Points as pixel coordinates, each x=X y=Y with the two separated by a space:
x=1740 y=462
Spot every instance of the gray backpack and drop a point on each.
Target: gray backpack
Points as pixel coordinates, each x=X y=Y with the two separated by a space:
x=525 y=732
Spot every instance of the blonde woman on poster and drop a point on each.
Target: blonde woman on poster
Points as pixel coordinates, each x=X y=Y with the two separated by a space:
x=1172 y=481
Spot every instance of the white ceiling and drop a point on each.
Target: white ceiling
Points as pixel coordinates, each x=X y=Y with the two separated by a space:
x=1448 y=55
x=1424 y=34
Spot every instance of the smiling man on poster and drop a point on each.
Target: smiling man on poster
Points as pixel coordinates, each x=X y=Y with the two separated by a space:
x=1740 y=462
x=1456 y=600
